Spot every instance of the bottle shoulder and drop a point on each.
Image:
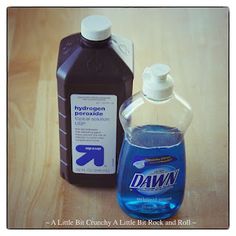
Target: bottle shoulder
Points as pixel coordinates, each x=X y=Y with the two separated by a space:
x=139 y=110
x=67 y=45
x=80 y=61
x=140 y=101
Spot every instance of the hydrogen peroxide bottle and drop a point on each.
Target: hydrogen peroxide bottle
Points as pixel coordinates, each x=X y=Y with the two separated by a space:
x=151 y=170
x=95 y=76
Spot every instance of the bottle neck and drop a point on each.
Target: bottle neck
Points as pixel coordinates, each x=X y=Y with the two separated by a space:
x=150 y=99
x=94 y=44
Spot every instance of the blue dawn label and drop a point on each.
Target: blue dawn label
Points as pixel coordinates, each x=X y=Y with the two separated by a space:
x=155 y=180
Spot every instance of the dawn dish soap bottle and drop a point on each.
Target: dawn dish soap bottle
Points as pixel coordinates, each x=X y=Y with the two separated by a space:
x=151 y=170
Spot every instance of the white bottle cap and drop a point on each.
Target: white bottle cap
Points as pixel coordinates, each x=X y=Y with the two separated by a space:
x=157 y=84
x=96 y=28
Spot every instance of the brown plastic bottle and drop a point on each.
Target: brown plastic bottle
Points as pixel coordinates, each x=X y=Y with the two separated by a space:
x=94 y=77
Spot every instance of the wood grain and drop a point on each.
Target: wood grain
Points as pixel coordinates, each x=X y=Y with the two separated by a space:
x=193 y=41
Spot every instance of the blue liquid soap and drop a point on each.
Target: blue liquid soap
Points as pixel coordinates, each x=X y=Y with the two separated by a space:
x=151 y=176
x=151 y=170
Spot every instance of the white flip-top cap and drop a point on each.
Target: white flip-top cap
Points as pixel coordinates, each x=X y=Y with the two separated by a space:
x=157 y=84
x=96 y=28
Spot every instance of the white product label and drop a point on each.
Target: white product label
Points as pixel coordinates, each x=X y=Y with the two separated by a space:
x=93 y=133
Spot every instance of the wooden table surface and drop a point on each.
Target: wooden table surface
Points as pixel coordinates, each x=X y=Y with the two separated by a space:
x=194 y=42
